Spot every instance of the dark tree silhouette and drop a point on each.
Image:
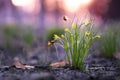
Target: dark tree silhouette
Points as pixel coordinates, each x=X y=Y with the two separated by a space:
x=6 y=9
x=59 y=11
x=42 y=15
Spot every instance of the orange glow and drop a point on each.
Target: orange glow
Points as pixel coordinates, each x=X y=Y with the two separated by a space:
x=74 y=5
x=27 y=5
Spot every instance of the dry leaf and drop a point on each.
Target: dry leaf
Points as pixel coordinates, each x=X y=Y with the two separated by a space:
x=18 y=64
x=59 y=64
x=29 y=67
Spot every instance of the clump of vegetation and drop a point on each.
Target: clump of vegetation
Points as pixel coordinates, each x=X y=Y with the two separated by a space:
x=11 y=34
x=76 y=42
x=15 y=37
x=28 y=37
x=110 y=40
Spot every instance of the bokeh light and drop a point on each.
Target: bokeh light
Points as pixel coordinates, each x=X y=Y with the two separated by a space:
x=26 y=5
x=22 y=2
x=74 y=5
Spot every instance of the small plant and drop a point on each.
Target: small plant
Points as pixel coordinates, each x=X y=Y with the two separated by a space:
x=10 y=35
x=110 y=41
x=15 y=37
x=28 y=37
x=76 y=42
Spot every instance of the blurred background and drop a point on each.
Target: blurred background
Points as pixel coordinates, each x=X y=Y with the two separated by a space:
x=43 y=13
x=27 y=25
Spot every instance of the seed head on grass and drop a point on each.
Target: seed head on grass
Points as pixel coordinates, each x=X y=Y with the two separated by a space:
x=49 y=43
x=98 y=36
x=74 y=26
x=87 y=23
x=87 y=33
x=62 y=36
x=56 y=37
x=67 y=30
